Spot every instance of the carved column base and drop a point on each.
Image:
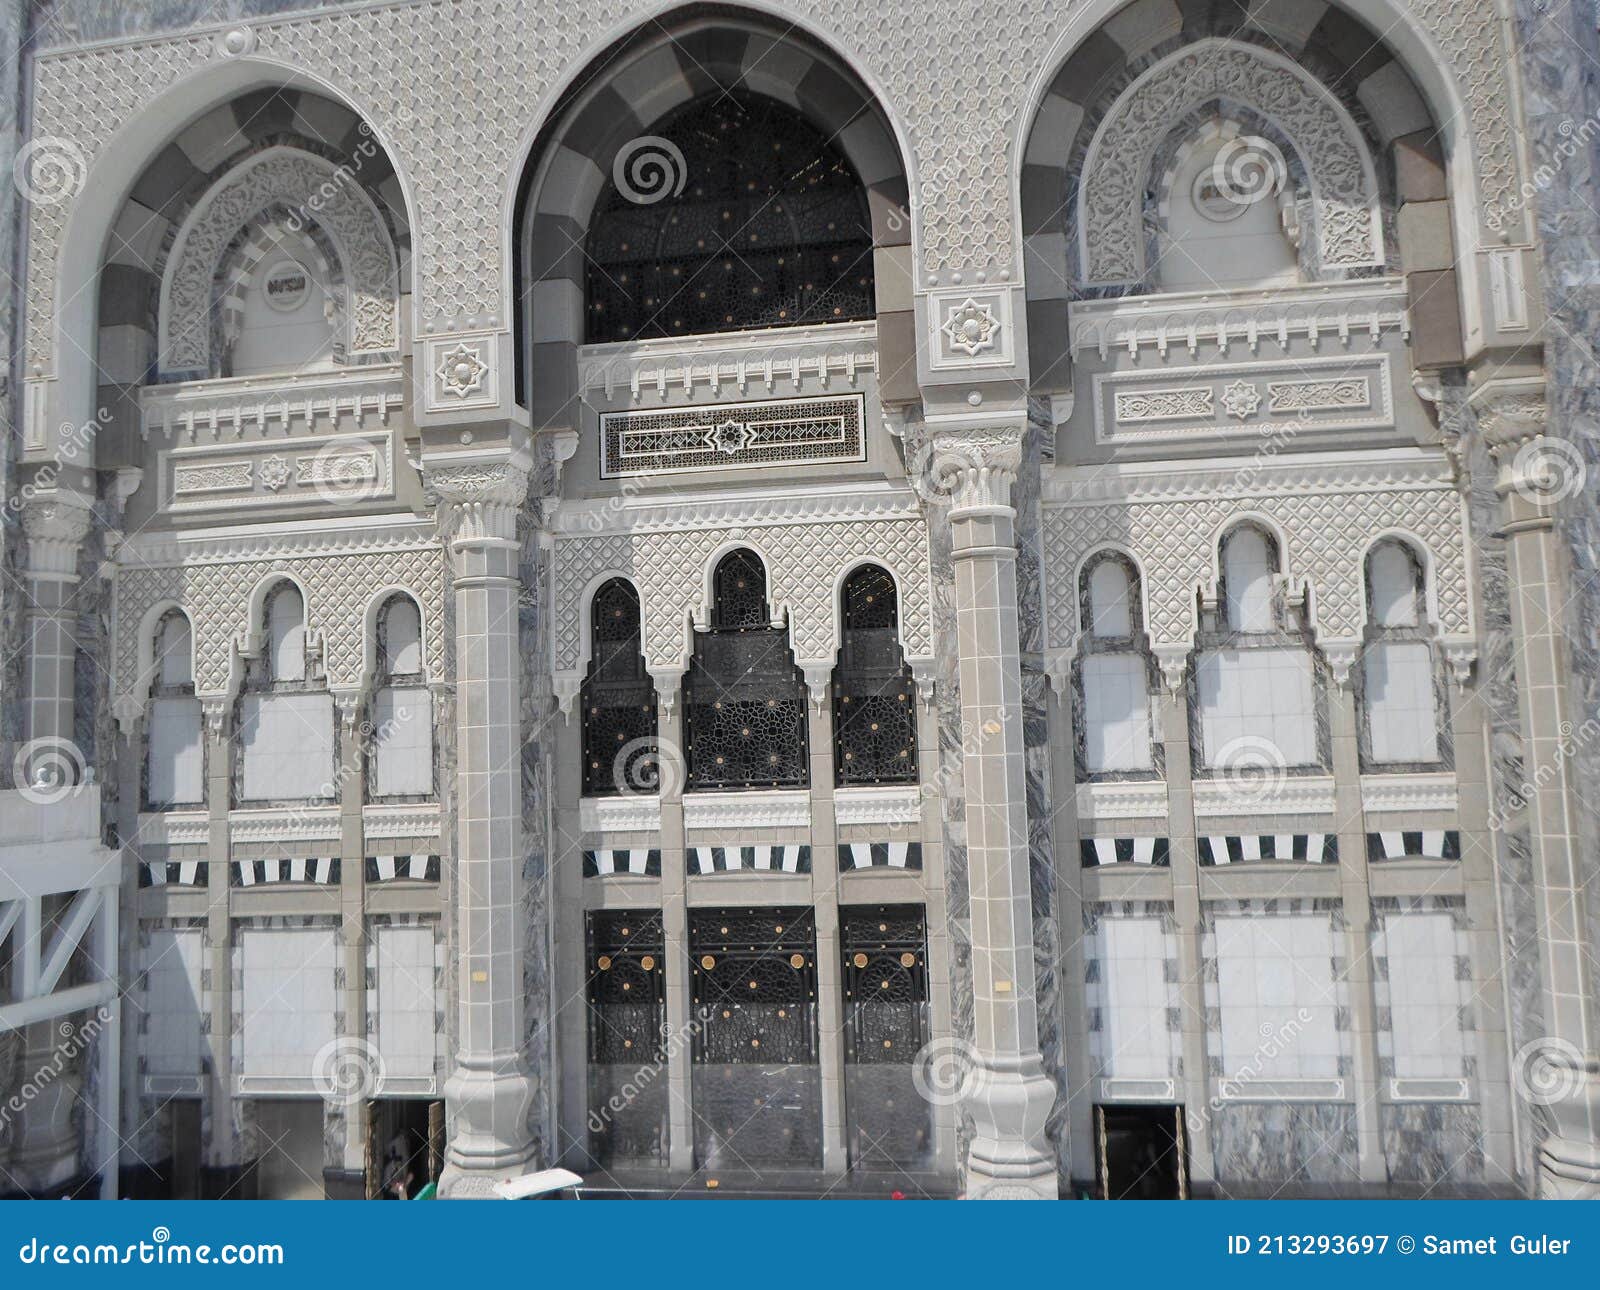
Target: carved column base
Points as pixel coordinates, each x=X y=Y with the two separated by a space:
x=488 y=1103
x=1009 y=1157
x=1569 y=1159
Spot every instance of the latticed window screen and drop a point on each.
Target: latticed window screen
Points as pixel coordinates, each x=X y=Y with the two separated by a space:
x=745 y=713
x=874 y=707
x=627 y=1031
x=771 y=228
x=756 y=1081
x=619 y=699
x=885 y=981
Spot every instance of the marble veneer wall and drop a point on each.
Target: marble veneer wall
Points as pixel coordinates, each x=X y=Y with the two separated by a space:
x=12 y=23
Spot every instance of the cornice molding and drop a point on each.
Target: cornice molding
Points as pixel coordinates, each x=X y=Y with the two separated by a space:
x=290 y=539
x=757 y=810
x=689 y=512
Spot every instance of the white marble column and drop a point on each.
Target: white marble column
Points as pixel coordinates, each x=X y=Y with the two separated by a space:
x=489 y=1092
x=1561 y=1071
x=1008 y=1096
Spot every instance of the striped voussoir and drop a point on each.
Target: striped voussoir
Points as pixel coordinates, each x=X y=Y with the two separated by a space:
x=315 y=869
x=762 y=859
x=174 y=873
x=880 y=855
x=1309 y=848
x=419 y=868
x=1104 y=851
x=1425 y=844
x=636 y=860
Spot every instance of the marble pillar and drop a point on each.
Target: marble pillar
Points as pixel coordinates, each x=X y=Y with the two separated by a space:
x=1560 y=1071
x=489 y=1092
x=1008 y=1095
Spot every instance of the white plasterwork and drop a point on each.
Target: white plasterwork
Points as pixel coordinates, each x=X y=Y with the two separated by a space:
x=1294 y=795
x=340 y=565
x=303 y=182
x=401 y=820
x=1116 y=169
x=764 y=809
x=887 y=805
x=285 y=824
x=808 y=539
x=626 y=813
x=173 y=828
x=1329 y=507
x=293 y=404
x=1140 y=799
x=1409 y=792
x=507 y=72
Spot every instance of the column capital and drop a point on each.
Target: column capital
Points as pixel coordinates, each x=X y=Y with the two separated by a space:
x=1511 y=411
x=973 y=460
x=1535 y=470
x=56 y=522
x=479 y=500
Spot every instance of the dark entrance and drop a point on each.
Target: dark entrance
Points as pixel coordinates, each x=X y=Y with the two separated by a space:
x=757 y=1082
x=405 y=1146
x=885 y=1026
x=1143 y=1152
x=627 y=1031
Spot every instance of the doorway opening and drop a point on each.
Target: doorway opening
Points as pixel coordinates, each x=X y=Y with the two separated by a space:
x=405 y=1147
x=1143 y=1152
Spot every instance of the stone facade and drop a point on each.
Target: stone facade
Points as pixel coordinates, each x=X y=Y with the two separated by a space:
x=718 y=605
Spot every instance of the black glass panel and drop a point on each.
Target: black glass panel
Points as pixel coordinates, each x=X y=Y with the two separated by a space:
x=626 y=993
x=619 y=699
x=757 y=1083
x=885 y=980
x=874 y=708
x=770 y=228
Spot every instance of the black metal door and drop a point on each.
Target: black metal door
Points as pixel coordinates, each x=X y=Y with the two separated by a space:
x=627 y=1031
x=885 y=982
x=757 y=1083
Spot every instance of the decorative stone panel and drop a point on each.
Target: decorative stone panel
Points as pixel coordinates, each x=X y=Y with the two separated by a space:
x=506 y=67
x=1329 y=508
x=340 y=569
x=807 y=543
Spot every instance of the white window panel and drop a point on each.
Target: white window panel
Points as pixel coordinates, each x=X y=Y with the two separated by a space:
x=1425 y=999
x=1247 y=569
x=1259 y=694
x=1394 y=588
x=1136 y=1042
x=177 y=756
x=288 y=1003
x=1116 y=710
x=1278 y=998
x=402 y=631
x=405 y=1004
x=286 y=747
x=1402 y=724
x=173 y=1043
x=402 y=724
x=1109 y=600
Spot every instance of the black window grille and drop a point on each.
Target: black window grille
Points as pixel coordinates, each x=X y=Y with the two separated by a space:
x=770 y=228
x=619 y=699
x=874 y=708
x=745 y=714
x=627 y=995
x=886 y=1026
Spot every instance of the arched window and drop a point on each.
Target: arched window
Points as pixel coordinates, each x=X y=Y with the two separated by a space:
x=874 y=707
x=1400 y=695
x=745 y=713
x=1254 y=674
x=175 y=751
x=770 y=227
x=1113 y=676
x=400 y=759
x=286 y=749
x=619 y=698
x=280 y=304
